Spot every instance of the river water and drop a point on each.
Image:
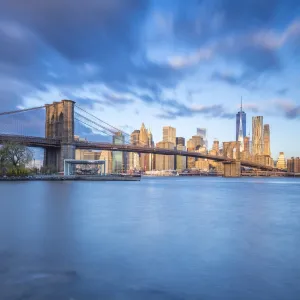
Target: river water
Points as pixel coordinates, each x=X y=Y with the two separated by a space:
x=161 y=238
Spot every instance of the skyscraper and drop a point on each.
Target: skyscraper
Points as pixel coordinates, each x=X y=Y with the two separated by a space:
x=281 y=162
x=169 y=134
x=240 y=122
x=267 y=150
x=202 y=132
x=241 y=130
x=180 y=141
x=119 y=159
x=257 y=135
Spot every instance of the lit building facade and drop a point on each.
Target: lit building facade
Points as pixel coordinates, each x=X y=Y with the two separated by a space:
x=257 y=135
x=180 y=160
x=169 y=134
x=293 y=165
x=267 y=147
x=119 y=158
x=240 y=122
x=281 y=162
x=164 y=162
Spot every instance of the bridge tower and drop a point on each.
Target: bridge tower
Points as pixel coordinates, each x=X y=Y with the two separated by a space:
x=60 y=125
x=232 y=150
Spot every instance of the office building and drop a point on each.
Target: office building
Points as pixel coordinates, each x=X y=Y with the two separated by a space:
x=119 y=159
x=293 y=165
x=87 y=155
x=169 y=134
x=180 y=163
x=164 y=162
x=202 y=164
x=216 y=146
x=107 y=156
x=202 y=133
x=180 y=141
x=257 y=135
x=281 y=162
x=267 y=150
x=135 y=137
x=240 y=123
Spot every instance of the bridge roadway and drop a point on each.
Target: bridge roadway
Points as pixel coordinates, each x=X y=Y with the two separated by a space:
x=32 y=141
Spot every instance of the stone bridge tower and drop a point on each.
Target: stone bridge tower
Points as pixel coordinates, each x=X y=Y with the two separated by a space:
x=60 y=125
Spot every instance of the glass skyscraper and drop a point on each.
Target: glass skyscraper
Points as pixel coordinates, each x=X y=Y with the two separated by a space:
x=119 y=159
x=238 y=123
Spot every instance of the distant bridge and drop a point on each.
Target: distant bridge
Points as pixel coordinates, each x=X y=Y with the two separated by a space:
x=59 y=143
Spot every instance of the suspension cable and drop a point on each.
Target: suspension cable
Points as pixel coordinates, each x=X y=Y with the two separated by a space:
x=20 y=110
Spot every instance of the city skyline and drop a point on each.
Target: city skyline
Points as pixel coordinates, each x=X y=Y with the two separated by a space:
x=158 y=62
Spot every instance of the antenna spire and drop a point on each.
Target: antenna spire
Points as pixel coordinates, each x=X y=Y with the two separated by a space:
x=241 y=103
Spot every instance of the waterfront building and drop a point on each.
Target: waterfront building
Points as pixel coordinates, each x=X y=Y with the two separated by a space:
x=144 y=142
x=134 y=158
x=293 y=165
x=164 y=162
x=240 y=123
x=169 y=134
x=257 y=135
x=107 y=156
x=180 y=163
x=180 y=141
x=119 y=158
x=87 y=155
x=281 y=162
x=267 y=150
x=202 y=164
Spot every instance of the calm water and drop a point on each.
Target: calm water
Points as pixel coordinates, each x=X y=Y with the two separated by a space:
x=162 y=238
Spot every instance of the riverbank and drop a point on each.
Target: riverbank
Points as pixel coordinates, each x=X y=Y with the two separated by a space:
x=73 y=178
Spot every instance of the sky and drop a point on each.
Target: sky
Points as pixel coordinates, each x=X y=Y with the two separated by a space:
x=162 y=62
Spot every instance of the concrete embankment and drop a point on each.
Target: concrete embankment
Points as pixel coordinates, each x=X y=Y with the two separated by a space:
x=73 y=178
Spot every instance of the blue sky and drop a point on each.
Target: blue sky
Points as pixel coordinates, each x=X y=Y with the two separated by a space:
x=164 y=62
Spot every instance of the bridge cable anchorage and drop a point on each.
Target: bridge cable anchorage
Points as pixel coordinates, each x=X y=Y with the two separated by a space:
x=21 y=110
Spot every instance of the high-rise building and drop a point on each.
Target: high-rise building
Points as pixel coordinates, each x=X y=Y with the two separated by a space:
x=195 y=142
x=202 y=132
x=164 y=162
x=144 y=142
x=216 y=146
x=257 y=135
x=143 y=136
x=135 y=137
x=119 y=159
x=281 y=162
x=293 y=165
x=107 y=156
x=247 y=144
x=134 y=158
x=267 y=150
x=180 y=141
x=169 y=134
x=240 y=122
x=180 y=160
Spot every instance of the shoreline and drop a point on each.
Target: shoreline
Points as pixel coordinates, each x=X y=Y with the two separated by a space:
x=72 y=178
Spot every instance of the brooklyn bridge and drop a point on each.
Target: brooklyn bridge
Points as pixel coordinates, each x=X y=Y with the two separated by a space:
x=59 y=143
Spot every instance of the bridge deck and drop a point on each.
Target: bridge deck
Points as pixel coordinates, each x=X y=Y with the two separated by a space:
x=56 y=143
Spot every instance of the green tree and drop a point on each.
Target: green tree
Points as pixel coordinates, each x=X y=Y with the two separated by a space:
x=15 y=155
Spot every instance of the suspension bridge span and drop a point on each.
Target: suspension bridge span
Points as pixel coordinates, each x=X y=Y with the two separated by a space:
x=59 y=142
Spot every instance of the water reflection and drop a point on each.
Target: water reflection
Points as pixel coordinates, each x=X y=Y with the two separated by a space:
x=162 y=238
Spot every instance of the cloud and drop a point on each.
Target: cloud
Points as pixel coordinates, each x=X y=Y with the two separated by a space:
x=181 y=110
x=282 y=91
x=289 y=109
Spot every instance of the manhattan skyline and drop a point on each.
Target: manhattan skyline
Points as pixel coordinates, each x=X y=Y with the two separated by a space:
x=164 y=63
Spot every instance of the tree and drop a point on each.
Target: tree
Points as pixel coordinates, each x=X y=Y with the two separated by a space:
x=15 y=155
